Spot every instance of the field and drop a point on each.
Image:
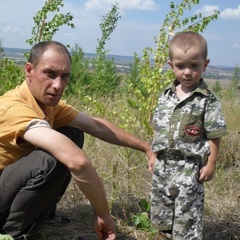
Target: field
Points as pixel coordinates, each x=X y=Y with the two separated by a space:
x=127 y=180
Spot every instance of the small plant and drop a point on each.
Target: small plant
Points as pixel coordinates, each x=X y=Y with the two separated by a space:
x=5 y=237
x=217 y=88
x=142 y=220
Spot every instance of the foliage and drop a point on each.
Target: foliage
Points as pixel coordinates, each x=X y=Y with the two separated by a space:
x=10 y=75
x=1 y=50
x=95 y=77
x=217 y=88
x=152 y=75
x=43 y=29
x=105 y=77
x=232 y=92
x=5 y=237
x=236 y=77
x=142 y=220
x=80 y=78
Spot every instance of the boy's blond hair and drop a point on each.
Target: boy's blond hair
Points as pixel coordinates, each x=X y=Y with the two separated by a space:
x=187 y=40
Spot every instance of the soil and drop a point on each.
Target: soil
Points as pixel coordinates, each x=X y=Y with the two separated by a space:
x=80 y=228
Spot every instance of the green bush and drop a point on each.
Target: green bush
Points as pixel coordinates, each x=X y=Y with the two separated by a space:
x=80 y=78
x=11 y=75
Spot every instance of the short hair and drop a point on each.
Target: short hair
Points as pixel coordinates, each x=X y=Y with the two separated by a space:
x=38 y=50
x=187 y=40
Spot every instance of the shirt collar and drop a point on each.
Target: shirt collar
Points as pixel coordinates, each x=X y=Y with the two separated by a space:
x=28 y=97
x=200 y=88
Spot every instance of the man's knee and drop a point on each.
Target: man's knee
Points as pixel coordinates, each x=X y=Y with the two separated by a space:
x=32 y=178
x=48 y=165
x=36 y=164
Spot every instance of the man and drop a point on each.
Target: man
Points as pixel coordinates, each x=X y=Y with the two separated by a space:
x=40 y=144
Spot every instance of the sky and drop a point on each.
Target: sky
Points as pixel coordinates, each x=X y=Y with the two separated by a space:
x=139 y=24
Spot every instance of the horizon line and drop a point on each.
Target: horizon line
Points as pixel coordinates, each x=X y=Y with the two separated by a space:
x=28 y=49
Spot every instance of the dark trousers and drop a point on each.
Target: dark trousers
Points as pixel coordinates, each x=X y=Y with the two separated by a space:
x=31 y=187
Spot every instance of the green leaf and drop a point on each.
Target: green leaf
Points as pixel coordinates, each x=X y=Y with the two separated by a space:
x=144 y=205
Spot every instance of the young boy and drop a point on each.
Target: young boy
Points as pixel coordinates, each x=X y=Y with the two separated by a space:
x=188 y=125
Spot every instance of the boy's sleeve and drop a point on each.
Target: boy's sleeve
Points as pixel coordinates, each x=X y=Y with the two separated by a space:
x=214 y=122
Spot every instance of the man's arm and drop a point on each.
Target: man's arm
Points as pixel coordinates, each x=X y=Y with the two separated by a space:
x=64 y=150
x=110 y=133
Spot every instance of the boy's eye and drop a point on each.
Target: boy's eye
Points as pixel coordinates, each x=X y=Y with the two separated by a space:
x=180 y=66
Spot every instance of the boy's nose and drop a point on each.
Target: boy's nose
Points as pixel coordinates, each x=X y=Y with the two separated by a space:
x=187 y=71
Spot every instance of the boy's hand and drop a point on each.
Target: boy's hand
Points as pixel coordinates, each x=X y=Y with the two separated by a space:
x=207 y=172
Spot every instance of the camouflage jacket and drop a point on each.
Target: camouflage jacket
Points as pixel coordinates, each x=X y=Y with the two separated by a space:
x=187 y=125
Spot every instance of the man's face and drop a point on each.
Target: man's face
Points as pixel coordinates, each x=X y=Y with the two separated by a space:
x=49 y=78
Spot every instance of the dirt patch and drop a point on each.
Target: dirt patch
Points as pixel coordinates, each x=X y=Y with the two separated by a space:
x=80 y=227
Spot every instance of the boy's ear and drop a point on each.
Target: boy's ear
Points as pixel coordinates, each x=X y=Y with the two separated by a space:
x=170 y=63
x=207 y=61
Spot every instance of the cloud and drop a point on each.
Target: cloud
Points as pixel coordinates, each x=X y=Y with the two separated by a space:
x=104 y=5
x=2 y=20
x=230 y=13
x=236 y=46
x=148 y=5
x=10 y=30
x=207 y=10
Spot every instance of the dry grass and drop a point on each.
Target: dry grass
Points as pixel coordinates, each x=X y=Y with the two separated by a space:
x=127 y=180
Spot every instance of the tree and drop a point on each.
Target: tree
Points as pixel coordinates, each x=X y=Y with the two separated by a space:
x=1 y=50
x=105 y=77
x=234 y=86
x=80 y=78
x=153 y=76
x=236 y=78
x=43 y=29
x=10 y=74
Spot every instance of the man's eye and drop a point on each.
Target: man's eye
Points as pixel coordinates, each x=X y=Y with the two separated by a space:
x=50 y=75
x=65 y=78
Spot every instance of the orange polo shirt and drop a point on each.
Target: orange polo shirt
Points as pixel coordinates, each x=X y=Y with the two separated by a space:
x=17 y=108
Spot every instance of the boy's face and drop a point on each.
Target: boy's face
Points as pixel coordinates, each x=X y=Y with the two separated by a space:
x=188 y=66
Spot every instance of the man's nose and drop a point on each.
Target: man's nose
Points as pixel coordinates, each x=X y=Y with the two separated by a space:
x=57 y=83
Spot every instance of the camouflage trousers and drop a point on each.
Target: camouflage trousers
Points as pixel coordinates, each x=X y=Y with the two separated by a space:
x=177 y=199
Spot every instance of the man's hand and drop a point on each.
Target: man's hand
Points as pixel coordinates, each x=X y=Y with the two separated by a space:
x=151 y=161
x=104 y=227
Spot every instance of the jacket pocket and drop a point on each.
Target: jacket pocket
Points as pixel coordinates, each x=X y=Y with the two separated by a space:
x=191 y=128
